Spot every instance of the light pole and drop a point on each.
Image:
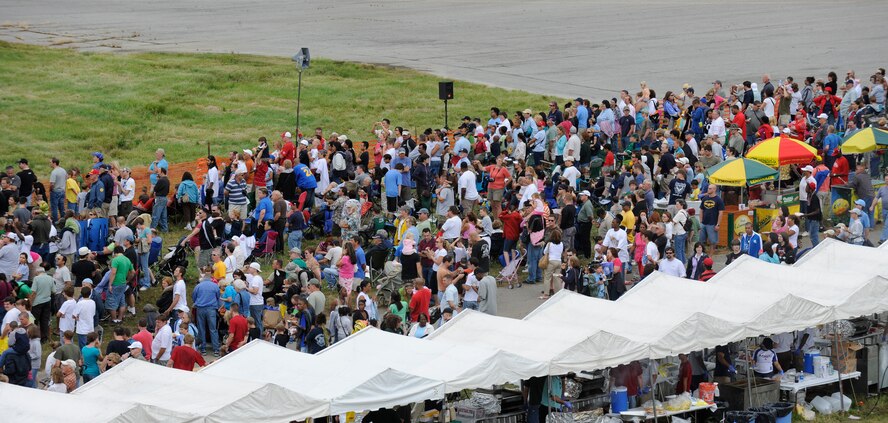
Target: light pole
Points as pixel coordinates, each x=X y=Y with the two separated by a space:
x=302 y=60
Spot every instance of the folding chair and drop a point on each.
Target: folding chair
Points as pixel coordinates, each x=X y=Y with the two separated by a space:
x=266 y=251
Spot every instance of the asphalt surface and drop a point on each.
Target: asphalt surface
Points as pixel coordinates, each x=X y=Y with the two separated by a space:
x=566 y=48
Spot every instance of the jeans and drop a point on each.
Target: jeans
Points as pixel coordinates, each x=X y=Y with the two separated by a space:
x=145 y=277
x=331 y=274
x=294 y=240
x=73 y=207
x=884 y=235
x=472 y=305
x=533 y=413
x=42 y=250
x=534 y=253
x=81 y=340
x=256 y=314
x=813 y=228
x=159 y=214
x=679 y=244
x=42 y=314
x=435 y=166
x=56 y=204
x=206 y=322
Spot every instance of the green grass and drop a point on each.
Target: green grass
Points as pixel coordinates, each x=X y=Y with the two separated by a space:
x=59 y=102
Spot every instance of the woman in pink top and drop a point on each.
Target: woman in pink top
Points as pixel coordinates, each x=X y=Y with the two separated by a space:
x=779 y=225
x=638 y=248
x=346 y=268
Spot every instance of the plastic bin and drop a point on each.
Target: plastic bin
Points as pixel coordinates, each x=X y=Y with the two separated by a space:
x=782 y=411
x=739 y=417
x=764 y=414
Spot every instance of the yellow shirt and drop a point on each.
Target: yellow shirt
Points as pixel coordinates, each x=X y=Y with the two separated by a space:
x=71 y=190
x=219 y=270
x=629 y=224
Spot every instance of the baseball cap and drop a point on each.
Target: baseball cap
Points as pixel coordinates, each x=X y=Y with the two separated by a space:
x=822 y=116
x=527 y=111
x=343 y=138
x=586 y=193
x=424 y=210
x=130 y=238
x=83 y=251
x=855 y=211
x=303 y=142
x=94 y=172
x=314 y=281
x=98 y=155
x=248 y=151
x=23 y=161
x=685 y=86
x=578 y=99
x=256 y=265
x=808 y=169
x=786 y=130
x=135 y=344
x=295 y=250
x=288 y=134
x=860 y=202
x=707 y=261
x=87 y=281
x=382 y=233
x=14 y=237
x=841 y=225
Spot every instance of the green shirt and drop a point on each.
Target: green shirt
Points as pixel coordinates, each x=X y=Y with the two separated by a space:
x=400 y=313
x=123 y=266
x=24 y=291
x=43 y=286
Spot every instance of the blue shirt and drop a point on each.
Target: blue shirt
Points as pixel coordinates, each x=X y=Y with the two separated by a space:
x=237 y=192
x=206 y=294
x=162 y=163
x=582 y=117
x=751 y=244
x=392 y=181
x=830 y=143
x=304 y=178
x=264 y=204
x=362 y=261
x=461 y=144
x=405 y=174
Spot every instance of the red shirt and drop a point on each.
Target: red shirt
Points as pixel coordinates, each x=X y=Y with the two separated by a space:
x=237 y=327
x=684 y=376
x=627 y=375
x=259 y=176
x=184 y=357
x=419 y=303
x=740 y=120
x=288 y=152
x=511 y=224
x=498 y=176
x=840 y=171
x=146 y=339
x=609 y=159
x=425 y=245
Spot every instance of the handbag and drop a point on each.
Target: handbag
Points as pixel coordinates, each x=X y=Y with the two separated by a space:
x=544 y=260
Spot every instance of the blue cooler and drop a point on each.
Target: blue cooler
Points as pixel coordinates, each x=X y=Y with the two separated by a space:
x=619 y=399
x=809 y=361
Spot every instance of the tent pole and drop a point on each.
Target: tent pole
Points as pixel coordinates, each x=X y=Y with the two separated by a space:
x=841 y=367
x=748 y=376
x=653 y=389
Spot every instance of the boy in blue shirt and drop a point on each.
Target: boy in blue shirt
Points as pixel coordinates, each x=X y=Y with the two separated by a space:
x=392 y=181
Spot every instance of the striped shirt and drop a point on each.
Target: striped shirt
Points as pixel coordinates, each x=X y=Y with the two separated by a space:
x=237 y=192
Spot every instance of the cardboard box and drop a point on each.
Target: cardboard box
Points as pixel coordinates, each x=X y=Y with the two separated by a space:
x=844 y=357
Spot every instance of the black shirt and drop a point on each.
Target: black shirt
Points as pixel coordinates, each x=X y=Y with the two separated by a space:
x=720 y=369
x=626 y=123
x=162 y=188
x=117 y=346
x=814 y=211
x=28 y=178
x=207 y=236
x=568 y=216
x=534 y=387
x=408 y=266
x=83 y=269
x=481 y=252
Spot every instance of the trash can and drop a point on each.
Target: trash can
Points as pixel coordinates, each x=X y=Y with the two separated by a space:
x=739 y=417
x=764 y=414
x=782 y=411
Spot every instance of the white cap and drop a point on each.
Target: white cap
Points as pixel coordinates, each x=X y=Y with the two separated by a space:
x=135 y=344
x=786 y=130
x=256 y=265
x=12 y=236
x=586 y=193
x=855 y=211
x=343 y=138
x=248 y=151
x=406 y=133
x=83 y=251
x=288 y=135
x=808 y=168
x=303 y=142
x=823 y=116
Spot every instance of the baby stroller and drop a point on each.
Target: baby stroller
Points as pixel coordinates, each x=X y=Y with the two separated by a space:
x=390 y=281
x=509 y=273
x=175 y=258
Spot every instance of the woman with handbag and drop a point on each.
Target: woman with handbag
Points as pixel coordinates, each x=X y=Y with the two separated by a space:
x=550 y=262
x=187 y=196
x=144 y=238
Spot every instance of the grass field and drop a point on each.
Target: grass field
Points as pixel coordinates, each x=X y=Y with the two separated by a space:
x=66 y=103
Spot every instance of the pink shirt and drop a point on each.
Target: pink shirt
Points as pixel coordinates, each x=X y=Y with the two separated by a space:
x=346 y=268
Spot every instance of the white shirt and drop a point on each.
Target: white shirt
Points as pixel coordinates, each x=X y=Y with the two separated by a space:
x=803 y=187
x=651 y=250
x=764 y=361
x=618 y=239
x=11 y=316
x=85 y=312
x=163 y=339
x=179 y=289
x=794 y=238
x=768 y=108
x=528 y=191
x=571 y=174
x=467 y=182
x=66 y=322
x=471 y=294
x=520 y=151
x=230 y=265
x=572 y=149
x=334 y=254
x=451 y=227
x=451 y=295
x=129 y=186
x=672 y=267
x=783 y=342
x=678 y=222
x=324 y=174
x=441 y=252
x=717 y=127
x=555 y=251
x=255 y=282
x=213 y=180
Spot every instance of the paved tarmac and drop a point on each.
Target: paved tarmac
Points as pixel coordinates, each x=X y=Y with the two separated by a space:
x=565 y=48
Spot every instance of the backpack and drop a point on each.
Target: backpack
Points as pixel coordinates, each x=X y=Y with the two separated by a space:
x=688 y=225
x=17 y=368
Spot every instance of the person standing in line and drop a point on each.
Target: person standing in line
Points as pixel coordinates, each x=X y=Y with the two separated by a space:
x=57 y=183
x=161 y=198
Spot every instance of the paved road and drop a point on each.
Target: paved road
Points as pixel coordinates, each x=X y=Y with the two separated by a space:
x=564 y=48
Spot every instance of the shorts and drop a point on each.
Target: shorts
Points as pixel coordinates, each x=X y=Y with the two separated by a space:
x=117 y=297
x=391 y=204
x=346 y=283
x=495 y=194
x=242 y=208
x=709 y=233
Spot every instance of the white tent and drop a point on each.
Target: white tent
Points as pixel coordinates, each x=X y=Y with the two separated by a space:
x=836 y=256
x=34 y=405
x=217 y=399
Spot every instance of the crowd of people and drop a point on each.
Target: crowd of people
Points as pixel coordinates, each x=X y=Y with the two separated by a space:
x=406 y=230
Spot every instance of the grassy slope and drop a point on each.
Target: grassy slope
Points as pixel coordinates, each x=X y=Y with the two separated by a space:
x=61 y=102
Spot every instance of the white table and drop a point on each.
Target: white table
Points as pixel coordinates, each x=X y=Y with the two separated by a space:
x=639 y=412
x=811 y=381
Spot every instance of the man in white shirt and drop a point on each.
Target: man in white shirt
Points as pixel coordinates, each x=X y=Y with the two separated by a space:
x=470 y=290
x=570 y=172
x=85 y=313
x=616 y=238
x=528 y=189
x=671 y=265
x=717 y=125
x=128 y=192
x=254 y=287
x=162 y=344
x=452 y=225
x=468 y=190
x=807 y=171
x=572 y=149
